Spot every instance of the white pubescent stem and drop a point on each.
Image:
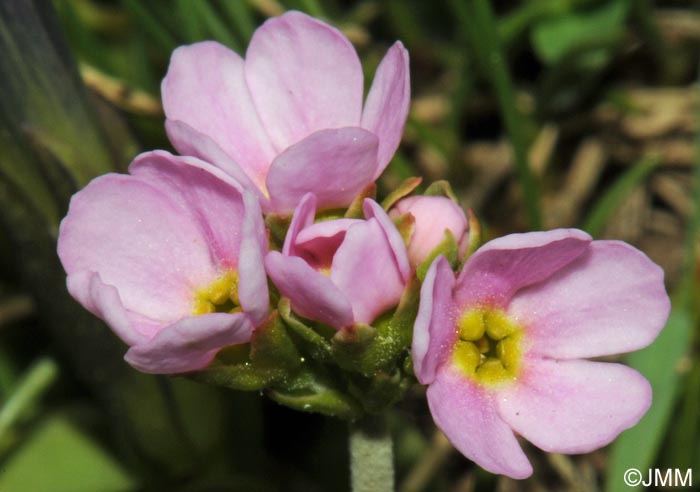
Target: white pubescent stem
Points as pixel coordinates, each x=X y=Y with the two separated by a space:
x=371 y=455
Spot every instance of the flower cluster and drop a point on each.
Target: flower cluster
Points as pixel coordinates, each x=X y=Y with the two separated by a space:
x=259 y=259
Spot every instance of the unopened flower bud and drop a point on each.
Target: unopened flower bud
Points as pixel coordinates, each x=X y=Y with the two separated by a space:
x=433 y=215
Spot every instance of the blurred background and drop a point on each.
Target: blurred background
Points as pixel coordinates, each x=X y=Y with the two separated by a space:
x=542 y=114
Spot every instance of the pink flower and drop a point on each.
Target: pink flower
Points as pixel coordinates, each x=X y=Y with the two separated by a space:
x=340 y=271
x=433 y=215
x=289 y=119
x=501 y=346
x=170 y=257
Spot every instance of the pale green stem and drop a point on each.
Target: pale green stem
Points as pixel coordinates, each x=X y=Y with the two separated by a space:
x=371 y=455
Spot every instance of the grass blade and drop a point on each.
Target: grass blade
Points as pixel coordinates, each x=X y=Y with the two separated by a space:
x=612 y=198
x=658 y=363
x=32 y=385
x=491 y=53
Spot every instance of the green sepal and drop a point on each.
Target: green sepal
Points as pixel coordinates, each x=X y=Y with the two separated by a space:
x=277 y=225
x=367 y=349
x=270 y=357
x=404 y=189
x=475 y=236
x=407 y=366
x=379 y=392
x=355 y=211
x=271 y=345
x=441 y=188
x=232 y=368
x=405 y=224
x=351 y=344
x=312 y=390
x=329 y=214
x=311 y=342
x=448 y=247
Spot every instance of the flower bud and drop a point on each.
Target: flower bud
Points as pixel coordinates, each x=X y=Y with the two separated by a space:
x=343 y=271
x=433 y=215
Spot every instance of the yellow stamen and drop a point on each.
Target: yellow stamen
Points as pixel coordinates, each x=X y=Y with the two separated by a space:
x=219 y=296
x=498 y=325
x=467 y=356
x=508 y=351
x=203 y=306
x=491 y=371
x=489 y=346
x=471 y=325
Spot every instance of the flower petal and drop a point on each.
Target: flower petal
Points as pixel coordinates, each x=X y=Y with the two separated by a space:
x=574 y=406
x=434 y=331
x=371 y=210
x=364 y=269
x=205 y=88
x=304 y=216
x=139 y=240
x=318 y=242
x=335 y=165
x=502 y=266
x=386 y=108
x=468 y=417
x=190 y=344
x=252 y=289
x=103 y=301
x=609 y=301
x=210 y=197
x=311 y=293
x=190 y=142
x=304 y=76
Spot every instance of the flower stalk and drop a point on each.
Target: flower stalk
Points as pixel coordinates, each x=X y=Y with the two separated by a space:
x=371 y=455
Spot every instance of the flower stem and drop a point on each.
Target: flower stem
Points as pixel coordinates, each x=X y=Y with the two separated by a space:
x=371 y=455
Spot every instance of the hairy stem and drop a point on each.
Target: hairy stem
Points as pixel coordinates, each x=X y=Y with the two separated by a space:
x=371 y=455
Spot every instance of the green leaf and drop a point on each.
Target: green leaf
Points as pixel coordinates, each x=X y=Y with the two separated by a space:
x=59 y=458
x=596 y=219
x=480 y=24
x=29 y=389
x=658 y=363
x=215 y=26
x=554 y=38
x=151 y=24
x=49 y=137
x=682 y=447
x=240 y=17
x=190 y=22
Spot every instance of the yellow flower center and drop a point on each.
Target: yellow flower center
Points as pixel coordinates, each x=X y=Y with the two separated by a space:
x=489 y=346
x=221 y=296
